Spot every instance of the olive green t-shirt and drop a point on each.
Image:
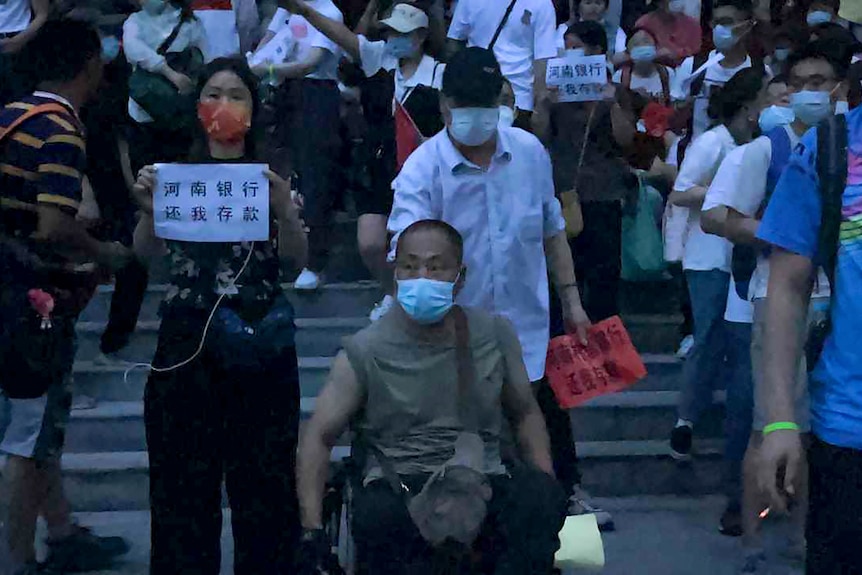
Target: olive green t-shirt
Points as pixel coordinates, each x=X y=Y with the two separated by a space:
x=410 y=386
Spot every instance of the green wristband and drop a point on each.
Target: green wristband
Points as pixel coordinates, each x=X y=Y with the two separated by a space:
x=780 y=426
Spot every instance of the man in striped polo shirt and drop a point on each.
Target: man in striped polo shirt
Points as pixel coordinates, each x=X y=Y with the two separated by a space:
x=43 y=286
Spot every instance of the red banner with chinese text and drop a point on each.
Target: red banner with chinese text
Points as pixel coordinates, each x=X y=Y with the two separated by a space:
x=606 y=364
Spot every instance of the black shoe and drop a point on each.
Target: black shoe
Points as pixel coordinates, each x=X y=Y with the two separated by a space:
x=83 y=551
x=680 y=443
x=730 y=523
x=35 y=568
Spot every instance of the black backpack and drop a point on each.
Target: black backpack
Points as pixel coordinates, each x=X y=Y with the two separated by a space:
x=832 y=171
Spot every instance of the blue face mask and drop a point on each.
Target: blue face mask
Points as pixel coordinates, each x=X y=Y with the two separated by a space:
x=425 y=300
x=781 y=54
x=474 y=126
x=811 y=107
x=818 y=17
x=723 y=38
x=643 y=53
x=775 y=116
x=110 y=48
x=400 y=47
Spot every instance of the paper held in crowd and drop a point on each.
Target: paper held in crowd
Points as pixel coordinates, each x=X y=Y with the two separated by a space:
x=713 y=59
x=279 y=49
x=578 y=78
x=211 y=202
x=606 y=364
x=580 y=544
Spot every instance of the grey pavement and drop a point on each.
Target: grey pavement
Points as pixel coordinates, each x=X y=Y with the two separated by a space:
x=661 y=535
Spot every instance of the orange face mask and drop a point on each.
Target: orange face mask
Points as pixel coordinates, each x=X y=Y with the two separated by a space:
x=225 y=122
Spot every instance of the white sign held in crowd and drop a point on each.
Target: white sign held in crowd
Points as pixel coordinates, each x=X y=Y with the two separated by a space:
x=211 y=202
x=578 y=78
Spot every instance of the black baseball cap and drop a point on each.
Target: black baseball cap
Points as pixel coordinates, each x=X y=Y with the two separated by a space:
x=473 y=78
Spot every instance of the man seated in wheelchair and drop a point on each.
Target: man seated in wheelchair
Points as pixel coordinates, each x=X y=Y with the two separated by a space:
x=426 y=390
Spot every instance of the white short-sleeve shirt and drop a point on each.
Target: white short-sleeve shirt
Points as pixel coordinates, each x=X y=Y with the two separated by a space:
x=504 y=213
x=716 y=77
x=652 y=83
x=15 y=16
x=306 y=37
x=373 y=58
x=529 y=35
x=724 y=183
x=704 y=252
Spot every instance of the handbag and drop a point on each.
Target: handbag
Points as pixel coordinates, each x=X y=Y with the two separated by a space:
x=35 y=351
x=642 y=249
x=453 y=503
x=569 y=199
x=239 y=344
x=158 y=96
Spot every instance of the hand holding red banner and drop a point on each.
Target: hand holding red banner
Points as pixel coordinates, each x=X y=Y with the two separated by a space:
x=606 y=364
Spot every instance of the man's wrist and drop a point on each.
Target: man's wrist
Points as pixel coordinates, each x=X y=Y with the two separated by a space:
x=780 y=426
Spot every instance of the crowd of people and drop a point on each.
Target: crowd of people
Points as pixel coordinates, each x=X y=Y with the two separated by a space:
x=494 y=214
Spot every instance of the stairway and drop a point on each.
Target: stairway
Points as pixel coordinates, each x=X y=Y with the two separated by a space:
x=621 y=438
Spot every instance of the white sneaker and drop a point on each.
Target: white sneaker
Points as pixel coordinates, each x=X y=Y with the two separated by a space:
x=381 y=308
x=307 y=281
x=685 y=347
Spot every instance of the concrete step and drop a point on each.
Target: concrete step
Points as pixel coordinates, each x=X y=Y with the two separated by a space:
x=112 y=383
x=119 y=481
x=332 y=300
x=314 y=337
x=322 y=336
x=626 y=416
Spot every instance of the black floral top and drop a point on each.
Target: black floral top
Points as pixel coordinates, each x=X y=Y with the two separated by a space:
x=201 y=272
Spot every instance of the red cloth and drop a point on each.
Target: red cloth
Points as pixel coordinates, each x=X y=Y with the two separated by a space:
x=682 y=34
x=657 y=118
x=407 y=135
x=608 y=363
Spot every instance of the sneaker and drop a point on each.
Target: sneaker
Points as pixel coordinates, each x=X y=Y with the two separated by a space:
x=730 y=523
x=307 y=281
x=111 y=360
x=754 y=563
x=685 y=347
x=680 y=442
x=83 y=402
x=580 y=504
x=83 y=551
x=381 y=308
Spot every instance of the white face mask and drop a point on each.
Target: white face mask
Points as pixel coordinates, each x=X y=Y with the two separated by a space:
x=473 y=126
x=841 y=107
x=507 y=117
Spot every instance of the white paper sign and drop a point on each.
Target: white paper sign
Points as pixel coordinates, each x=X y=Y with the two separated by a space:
x=579 y=78
x=211 y=202
x=278 y=50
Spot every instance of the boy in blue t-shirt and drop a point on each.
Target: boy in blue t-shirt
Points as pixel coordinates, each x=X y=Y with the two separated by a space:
x=792 y=225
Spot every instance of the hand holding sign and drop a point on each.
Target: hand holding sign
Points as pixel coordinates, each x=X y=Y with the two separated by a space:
x=607 y=363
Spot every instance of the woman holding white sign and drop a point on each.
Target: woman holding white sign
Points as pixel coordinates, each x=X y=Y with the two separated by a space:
x=223 y=396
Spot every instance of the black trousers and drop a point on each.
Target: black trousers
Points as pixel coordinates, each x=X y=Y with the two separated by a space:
x=598 y=264
x=520 y=536
x=559 y=424
x=130 y=287
x=309 y=127
x=205 y=423
x=834 y=529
